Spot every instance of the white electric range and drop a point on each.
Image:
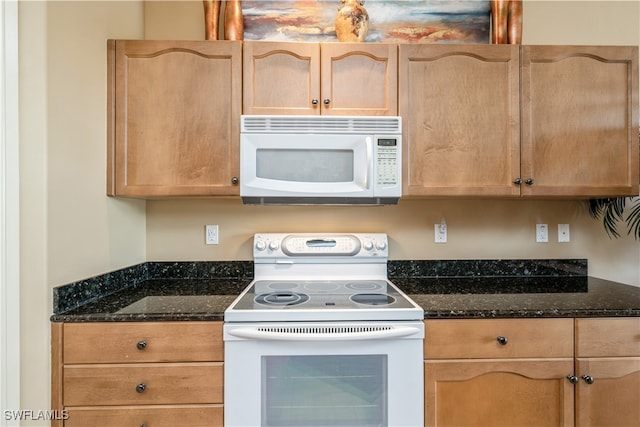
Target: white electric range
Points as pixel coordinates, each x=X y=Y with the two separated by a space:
x=321 y=337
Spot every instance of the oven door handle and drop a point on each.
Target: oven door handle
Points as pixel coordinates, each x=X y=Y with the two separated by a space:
x=257 y=334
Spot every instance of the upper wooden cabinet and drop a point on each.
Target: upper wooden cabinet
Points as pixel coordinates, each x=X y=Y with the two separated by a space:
x=465 y=109
x=580 y=120
x=174 y=118
x=327 y=78
x=461 y=119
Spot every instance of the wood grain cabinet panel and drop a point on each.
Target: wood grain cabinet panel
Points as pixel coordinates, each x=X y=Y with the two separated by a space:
x=142 y=342
x=559 y=372
x=142 y=384
x=100 y=376
x=580 y=120
x=608 y=369
x=174 y=118
x=608 y=337
x=519 y=120
x=498 y=338
x=327 y=78
x=157 y=416
x=499 y=372
x=461 y=119
x=498 y=392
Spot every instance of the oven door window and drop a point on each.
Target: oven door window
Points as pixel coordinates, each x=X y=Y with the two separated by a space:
x=333 y=390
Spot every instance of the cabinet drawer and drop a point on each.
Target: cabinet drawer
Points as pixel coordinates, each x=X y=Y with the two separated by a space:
x=496 y=338
x=143 y=384
x=129 y=342
x=608 y=337
x=136 y=416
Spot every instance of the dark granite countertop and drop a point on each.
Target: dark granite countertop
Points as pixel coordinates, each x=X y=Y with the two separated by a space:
x=444 y=289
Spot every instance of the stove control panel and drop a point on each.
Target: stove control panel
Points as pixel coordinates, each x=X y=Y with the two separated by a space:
x=308 y=245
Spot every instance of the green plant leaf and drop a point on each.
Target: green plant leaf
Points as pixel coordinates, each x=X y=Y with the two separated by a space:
x=633 y=219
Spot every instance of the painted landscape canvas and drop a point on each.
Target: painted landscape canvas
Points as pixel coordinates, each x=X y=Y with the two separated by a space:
x=394 y=21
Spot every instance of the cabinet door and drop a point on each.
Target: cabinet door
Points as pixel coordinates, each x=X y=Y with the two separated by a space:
x=499 y=392
x=281 y=78
x=174 y=113
x=359 y=79
x=580 y=120
x=612 y=397
x=461 y=119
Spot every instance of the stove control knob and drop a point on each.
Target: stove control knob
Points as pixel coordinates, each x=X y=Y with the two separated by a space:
x=368 y=245
x=273 y=246
x=261 y=245
x=381 y=245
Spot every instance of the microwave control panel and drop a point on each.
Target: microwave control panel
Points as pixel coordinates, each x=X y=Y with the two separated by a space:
x=388 y=161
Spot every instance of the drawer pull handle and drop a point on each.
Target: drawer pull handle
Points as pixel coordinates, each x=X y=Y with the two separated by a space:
x=140 y=388
x=588 y=379
x=502 y=340
x=572 y=379
x=142 y=344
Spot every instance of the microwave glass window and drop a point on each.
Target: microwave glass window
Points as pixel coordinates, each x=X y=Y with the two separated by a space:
x=308 y=165
x=328 y=390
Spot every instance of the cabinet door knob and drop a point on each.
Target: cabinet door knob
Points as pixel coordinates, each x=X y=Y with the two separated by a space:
x=588 y=379
x=517 y=181
x=572 y=379
x=140 y=388
x=142 y=344
x=502 y=340
x=314 y=101
x=235 y=180
x=327 y=101
x=529 y=181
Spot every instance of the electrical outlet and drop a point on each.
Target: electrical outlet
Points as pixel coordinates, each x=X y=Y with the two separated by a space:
x=211 y=234
x=563 y=233
x=440 y=232
x=542 y=233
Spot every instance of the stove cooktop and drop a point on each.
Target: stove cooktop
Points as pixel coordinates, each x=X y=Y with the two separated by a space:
x=322 y=300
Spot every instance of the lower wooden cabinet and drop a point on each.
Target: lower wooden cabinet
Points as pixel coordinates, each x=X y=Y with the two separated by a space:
x=532 y=372
x=509 y=372
x=138 y=374
x=608 y=372
x=518 y=393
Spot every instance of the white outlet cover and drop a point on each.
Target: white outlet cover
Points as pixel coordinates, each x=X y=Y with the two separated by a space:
x=440 y=233
x=211 y=234
x=563 y=233
x=542 y=233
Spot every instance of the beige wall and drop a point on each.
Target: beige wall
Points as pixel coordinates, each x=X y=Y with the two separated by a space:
x=70 y=230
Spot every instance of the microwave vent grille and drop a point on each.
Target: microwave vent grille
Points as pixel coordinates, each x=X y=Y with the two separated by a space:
x=322 y=124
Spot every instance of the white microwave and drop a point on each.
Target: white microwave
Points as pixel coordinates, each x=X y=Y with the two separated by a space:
x=321 y=159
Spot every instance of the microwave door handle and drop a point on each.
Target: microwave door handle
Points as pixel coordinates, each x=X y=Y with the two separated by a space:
x=256 y=334
x=368 y=172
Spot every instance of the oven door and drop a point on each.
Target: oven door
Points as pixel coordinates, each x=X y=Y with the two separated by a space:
x=306 y=165
x=324 y=374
